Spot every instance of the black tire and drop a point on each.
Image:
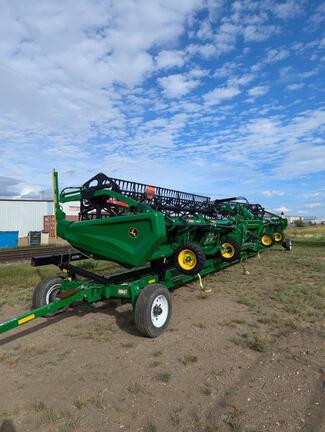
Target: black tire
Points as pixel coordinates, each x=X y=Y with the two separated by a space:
x=144 y=322
x=287 y=244
x=234 y=253
x=45 y=293
x=279 y=237
x=270 y=242
x=195 y=254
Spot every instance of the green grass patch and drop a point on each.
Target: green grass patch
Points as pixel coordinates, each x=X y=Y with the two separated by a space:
x=248 y=300
x=150 y=427
x=232 y=419
x=79 y=403
x=163 y=376
x=17 y=281
x=302 y=300
x=257 y=343
x=38 y=406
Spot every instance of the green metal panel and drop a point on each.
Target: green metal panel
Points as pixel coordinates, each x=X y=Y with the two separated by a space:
x=127 y=240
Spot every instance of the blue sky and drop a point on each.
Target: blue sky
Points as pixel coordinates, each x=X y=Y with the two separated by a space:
x=216 y=97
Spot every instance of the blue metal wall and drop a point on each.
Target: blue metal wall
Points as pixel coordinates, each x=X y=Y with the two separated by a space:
x=8 y=239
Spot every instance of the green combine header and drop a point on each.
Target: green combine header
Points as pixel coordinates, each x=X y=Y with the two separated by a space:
x=163 y=237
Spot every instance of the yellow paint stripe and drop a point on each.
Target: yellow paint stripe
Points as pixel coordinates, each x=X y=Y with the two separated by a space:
x=152 y=281
x=26 y=319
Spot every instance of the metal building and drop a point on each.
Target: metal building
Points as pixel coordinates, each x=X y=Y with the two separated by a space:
x=23 y=215
x=28 y=215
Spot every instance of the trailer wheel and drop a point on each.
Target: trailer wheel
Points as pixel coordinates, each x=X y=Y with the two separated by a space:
x=279 y=237
x=153 y=310
x=45 y=293
x=267 y=240
x=230 y=250
x=189 y=259
x=287 y=244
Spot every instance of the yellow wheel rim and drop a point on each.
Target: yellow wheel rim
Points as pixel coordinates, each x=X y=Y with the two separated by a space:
x=187 y=259
x=227 y=250
x=266 y=240
x=277 y=236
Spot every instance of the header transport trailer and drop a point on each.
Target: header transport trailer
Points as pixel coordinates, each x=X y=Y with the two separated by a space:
x=163 y=237
x=273 y=225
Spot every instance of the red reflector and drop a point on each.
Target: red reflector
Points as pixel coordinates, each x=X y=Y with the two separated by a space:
x=118 y=203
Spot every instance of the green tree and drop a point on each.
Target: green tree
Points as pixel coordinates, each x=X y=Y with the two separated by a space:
x=299 y=223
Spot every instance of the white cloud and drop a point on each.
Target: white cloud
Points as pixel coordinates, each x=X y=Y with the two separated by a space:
x=197 y=72
x=258 y=91
x=71 y=73
x=285 y=72
x=271 y=193
x=289 y=145
x=319 y=15
x=313 y=205
x=295 y=86
x=177 y=85
x=169 y=59
x=274 y=55
x=80 y=80
x=241 y=80
x=205 y=30
x=315 y=195
x=288 y=9
x=226 y=70
x=9 y=187
x=225 y=38
x=205 y=50
x=220 y=94
x=258 y=33
x=62 y=60
x=250 y=23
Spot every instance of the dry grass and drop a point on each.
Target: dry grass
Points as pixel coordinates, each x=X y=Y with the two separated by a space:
x=188 y=359
x=285 y=288
x=307 y=232
x=21 y=354
x=97 y=330
x=98 y=401
x=135 y=388
x=55 y=419
x=23 y=278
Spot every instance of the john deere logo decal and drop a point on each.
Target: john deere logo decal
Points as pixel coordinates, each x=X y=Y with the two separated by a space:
x=133 y=232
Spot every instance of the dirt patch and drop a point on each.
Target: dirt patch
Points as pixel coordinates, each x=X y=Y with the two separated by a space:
x=248 y=356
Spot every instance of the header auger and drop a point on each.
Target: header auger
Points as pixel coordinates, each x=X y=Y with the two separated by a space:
x=165 y=237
